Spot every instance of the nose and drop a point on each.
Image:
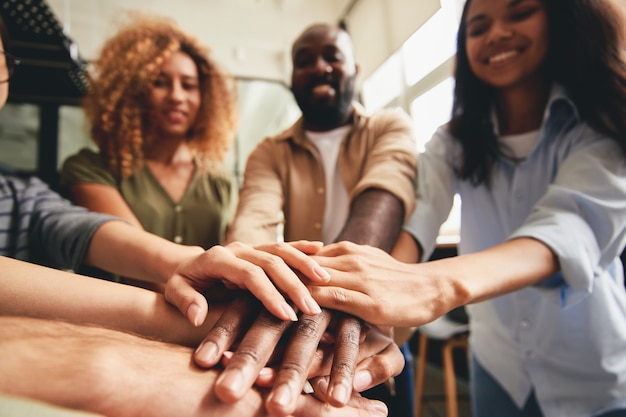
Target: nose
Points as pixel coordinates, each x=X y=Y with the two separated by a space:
x=499 y=30
x=322 y=66
x=177 y=92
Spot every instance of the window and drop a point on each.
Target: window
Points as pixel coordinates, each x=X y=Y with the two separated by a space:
x=418 y=78
x=384 y=85
x=431 y=110
x=432 y=45
x=73 y=133
x=19 y=130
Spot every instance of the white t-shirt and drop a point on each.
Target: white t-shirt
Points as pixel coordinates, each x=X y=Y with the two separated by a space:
x=519 y=146
x=337 y=201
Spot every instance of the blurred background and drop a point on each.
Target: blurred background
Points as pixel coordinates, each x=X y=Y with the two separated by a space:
x=403 y=48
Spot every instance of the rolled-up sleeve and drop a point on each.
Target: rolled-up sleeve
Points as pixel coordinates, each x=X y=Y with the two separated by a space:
x=435 y=191
x=261 y=198
x=390 y=164
x=582 y=215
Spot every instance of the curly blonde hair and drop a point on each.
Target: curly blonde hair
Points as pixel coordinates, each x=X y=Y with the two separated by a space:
x=116 y=103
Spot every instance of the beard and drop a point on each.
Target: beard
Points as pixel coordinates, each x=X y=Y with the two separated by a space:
x=326 y=113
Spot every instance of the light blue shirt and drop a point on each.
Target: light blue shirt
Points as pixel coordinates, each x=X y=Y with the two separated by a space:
x=566 y=338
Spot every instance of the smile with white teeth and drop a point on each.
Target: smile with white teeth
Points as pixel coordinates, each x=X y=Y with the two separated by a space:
x=503 y=56
x=322 y=88
x=323 y=91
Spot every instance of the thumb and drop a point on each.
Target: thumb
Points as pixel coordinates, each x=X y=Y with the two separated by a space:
x=190 y=302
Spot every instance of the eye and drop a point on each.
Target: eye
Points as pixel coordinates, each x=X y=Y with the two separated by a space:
x=161 y=82
x=523 y=14
x=333 y=56
x=190 y=85
x=303 y=60
x=477 y=29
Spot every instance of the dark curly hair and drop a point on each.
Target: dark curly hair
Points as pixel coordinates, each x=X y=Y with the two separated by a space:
x=585 y=55
x=120 y=81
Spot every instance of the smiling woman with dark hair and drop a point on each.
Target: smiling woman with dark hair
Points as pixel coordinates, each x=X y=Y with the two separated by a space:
x=536 y=149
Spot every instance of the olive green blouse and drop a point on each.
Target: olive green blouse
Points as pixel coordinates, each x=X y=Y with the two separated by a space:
x=199 y=218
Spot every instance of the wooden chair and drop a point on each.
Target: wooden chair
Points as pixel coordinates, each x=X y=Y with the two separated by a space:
x=454 y=336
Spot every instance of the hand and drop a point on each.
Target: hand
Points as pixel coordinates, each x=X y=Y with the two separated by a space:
x=262 y=270
x=356 y=406
x=378 y=359
x=260 y=342
x=369 y=283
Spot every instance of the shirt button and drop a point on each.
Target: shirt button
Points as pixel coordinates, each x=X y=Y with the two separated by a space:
x=178 y=209
x=524 y=324
x=317 y=225
x=178 y=239
x=320 y=190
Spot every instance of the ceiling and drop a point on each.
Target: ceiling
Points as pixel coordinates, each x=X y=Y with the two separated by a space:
x=249 y=38
x=252 y=38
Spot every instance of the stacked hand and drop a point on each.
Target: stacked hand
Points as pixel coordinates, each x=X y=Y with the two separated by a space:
x=274 y=350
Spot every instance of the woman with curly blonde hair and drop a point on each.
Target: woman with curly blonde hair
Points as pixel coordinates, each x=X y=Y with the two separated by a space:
x=163 y=115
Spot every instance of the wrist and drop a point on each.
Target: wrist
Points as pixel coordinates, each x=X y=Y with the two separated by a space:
x=171 y=256
x=454 y=289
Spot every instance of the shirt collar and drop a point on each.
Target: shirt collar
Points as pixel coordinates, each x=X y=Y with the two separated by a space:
x=559 y=99
x=296 y=131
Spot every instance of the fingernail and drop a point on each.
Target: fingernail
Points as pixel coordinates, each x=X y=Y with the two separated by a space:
x=289 y=311
x=322 y=385
x=231 y=380
x=362 y=380
x=282 y=395
x=340 y=393
x=192 y=314
x=312 y=306
x=207 y=353
x=308 y=388
x=266 y=372
x=321 y=273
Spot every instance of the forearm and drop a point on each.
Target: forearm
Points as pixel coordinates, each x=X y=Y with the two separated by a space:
x=106 y=372
x=103 y=198
x=499 y=270
x=36 y=291
x=442 y=285
x=117 y=374
x=37 y=360
x=375 y=219
x=370 y=284
x=123 y=249
x=482 y=275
